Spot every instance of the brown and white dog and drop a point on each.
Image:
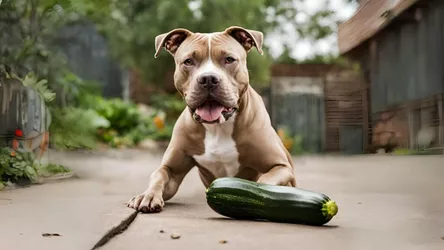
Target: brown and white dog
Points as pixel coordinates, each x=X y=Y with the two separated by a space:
x=225 y=129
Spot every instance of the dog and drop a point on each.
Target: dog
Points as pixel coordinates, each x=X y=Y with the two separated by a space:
x=225 y=130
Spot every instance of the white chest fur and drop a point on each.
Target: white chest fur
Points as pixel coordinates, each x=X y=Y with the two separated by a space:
x=221 y=155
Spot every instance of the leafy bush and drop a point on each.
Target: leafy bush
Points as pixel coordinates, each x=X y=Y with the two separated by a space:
x=75 y=127
x=50 y=169
x=172 y=103
x=294 y=144
x=117 y=123
x=152 y=127
x=114 y=122
x=122 y=115
x=16 y=166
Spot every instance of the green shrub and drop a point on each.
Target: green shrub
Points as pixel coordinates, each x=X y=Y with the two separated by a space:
x=16 y=166
x=114 y=122
x=127 y=125
x=75 y=127
x=172 y=104
x=122 y=115
x=51 y=169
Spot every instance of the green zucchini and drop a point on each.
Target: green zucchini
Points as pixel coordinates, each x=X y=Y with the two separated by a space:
x=242 y=199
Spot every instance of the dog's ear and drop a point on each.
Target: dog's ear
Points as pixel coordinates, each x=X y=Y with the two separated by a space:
x=247 y=38
x=171 y=40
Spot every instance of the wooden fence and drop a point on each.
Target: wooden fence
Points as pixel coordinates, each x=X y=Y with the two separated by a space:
x=346 y=112
x=327 y=106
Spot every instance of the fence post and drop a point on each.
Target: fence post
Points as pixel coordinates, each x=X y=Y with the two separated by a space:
x=440 y=121
x=364 y=118
x=410 y=117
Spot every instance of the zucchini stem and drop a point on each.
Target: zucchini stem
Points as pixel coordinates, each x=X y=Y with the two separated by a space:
x=329 y=209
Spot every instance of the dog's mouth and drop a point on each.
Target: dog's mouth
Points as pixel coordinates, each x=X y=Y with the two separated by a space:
x=212 y=111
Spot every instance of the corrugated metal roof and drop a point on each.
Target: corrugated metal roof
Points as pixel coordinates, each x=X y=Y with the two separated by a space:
x=371 y=17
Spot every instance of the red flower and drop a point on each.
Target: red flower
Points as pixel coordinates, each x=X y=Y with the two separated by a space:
x=18 y=133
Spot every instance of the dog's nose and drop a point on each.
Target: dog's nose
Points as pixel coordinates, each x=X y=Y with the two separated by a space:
x=208 y=81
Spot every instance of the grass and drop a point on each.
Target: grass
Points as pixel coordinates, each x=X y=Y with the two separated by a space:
x=52 y=169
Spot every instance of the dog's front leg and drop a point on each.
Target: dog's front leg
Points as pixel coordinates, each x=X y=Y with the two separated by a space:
x=164 y=182
x=280 y=176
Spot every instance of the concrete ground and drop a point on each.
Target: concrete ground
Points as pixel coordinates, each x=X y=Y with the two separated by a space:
x=82 y=209
x=385 y=202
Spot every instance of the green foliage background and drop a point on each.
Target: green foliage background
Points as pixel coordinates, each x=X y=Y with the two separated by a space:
x=131 y=26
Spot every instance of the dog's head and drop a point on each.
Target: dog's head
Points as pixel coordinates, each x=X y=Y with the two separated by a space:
x=211 y=69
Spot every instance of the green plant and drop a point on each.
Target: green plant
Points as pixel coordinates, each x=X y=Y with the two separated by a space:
x=40 y=86
x=173 y=104
x=51 y=169
x=297 y=147
x=122 y=115
x=16 y=166
x=294 y=144
x=72 y=89
x=127 y=125
x=75 y=127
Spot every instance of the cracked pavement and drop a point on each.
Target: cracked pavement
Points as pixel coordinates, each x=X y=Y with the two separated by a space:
x=385 y=202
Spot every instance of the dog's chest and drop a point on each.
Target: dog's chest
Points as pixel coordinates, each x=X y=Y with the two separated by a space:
x=221 y=155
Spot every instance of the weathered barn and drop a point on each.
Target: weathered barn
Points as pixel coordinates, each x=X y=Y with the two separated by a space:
x=400 y=47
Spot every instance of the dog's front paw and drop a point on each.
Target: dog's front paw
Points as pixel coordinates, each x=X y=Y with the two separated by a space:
x=147 y=202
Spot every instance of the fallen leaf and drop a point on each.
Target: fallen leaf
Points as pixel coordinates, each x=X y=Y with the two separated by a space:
x=175 y=236
x=49 y=235
x=223 y=242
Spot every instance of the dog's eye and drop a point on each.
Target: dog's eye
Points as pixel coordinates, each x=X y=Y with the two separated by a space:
x=188 y=62
x=229 y=60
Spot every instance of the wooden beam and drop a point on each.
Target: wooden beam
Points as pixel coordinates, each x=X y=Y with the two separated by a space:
x=441 y=121
x=411 y=123
x=365 y=119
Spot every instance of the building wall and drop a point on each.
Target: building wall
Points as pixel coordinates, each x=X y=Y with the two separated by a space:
x=323 y=104
x=407 y=58
x=88 y=57
x=298 y=106
x=404 y=64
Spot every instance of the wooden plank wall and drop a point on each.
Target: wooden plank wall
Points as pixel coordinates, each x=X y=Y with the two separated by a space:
x=405 y=64
x=346 y=104
x=298 y=106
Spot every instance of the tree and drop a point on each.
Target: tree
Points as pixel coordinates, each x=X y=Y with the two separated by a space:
x=130 y=27
x=285 y=57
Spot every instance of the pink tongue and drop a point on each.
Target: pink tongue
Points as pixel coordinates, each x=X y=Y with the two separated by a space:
x=210 y=111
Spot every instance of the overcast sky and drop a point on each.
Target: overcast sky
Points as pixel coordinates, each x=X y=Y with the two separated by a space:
x=303 y=49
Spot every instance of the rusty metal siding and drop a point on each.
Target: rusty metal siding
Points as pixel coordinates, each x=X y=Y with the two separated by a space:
x=409 y=60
